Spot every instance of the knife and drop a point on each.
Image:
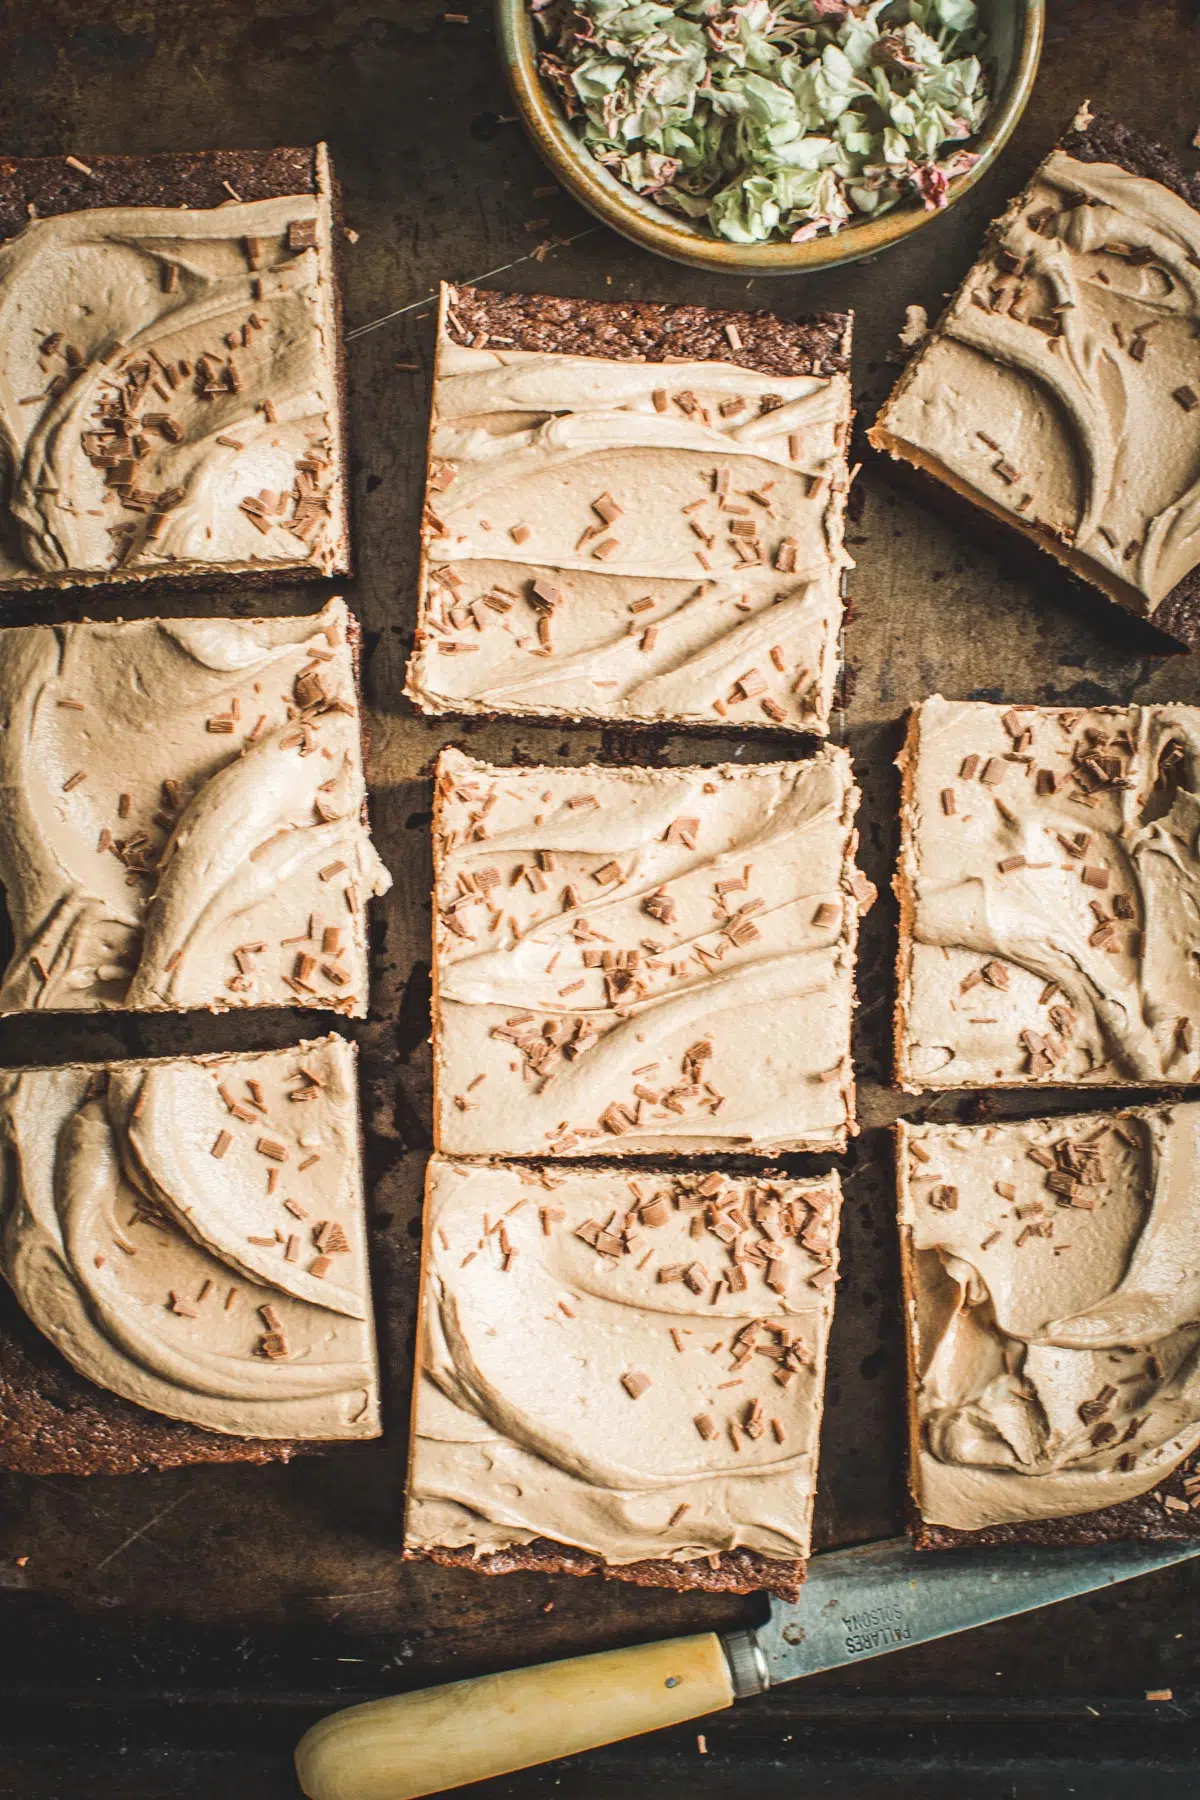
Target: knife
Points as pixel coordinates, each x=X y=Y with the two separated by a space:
x=855 y=1604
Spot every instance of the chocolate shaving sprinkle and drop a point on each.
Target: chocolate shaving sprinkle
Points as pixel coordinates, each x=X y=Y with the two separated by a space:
x=330 y=1238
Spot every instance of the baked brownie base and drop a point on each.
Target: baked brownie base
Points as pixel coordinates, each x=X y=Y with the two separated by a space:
x=735 y=1571
x=1172 y=629
x=1175 y=622
x=1144 y=1521
x=651 y=332
x=354 y=644
x=1099 y=138
x=51 y=185
x=55 y=1422
x=45 y=186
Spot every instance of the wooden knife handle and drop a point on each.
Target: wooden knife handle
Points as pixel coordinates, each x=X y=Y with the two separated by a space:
x=441 y=1737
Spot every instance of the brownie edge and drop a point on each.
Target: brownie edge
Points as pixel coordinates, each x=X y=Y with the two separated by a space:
x=1095 y=137
x=1091 y=138
x=730 y=1572
x=1144 y=1520
x=652 y=332
x=44 y=186
x=54 y=1422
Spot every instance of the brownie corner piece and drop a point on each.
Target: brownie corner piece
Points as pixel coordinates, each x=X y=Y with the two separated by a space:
x=54 y=1421
x=178 y=414
x=185 y=1249
x=1059 y=393
x=648 y=961
x=655 y=532
x=183 y=822
x=1043 y=1314
x=530 y=1479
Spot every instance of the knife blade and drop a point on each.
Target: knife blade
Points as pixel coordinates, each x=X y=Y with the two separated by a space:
x=886 y=1596
x=856 y=1604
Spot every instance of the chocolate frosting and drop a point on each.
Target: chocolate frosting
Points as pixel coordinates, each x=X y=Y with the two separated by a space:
x=646 y=960
x=1054 y=1311
x=168 y=392
x=139 y=1233
x=178 y=797
x=1051 y=914
x=574 y=1385
x=685 y=522
x=1062 y=388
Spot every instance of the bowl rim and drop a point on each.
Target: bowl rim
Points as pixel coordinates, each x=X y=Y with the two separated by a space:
x=649 y=225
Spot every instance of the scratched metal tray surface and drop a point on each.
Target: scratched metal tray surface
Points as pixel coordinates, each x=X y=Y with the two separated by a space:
x=172 y=1635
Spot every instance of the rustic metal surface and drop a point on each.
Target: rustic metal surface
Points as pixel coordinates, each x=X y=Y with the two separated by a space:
x=194 y=1622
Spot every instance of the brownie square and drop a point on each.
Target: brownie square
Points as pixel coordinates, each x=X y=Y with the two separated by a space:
x=1049 y=889
x=657 y=961
x=634 y=512
x=185 y=1240
x=170 y=370
x=621 y=1373
x=1050 y=1313
x=183 y=815
x=1060 y=390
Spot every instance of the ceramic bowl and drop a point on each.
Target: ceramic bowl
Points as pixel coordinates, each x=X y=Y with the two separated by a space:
x=1015 y=31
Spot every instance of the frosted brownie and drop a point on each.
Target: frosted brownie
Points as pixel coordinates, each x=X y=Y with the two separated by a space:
x=634 y=512
x=1060 y=390
x=170 y=369
x=182 y=814
x=1049 y=887
x=644 y=960
x=1050 y=1278
x=190 y=1239
x=621 y=1374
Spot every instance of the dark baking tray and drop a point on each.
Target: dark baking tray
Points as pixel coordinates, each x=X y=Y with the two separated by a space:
x=171 y=1635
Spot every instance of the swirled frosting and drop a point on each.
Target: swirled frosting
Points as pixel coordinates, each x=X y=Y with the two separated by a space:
x=631 y=959
x=1049 y=884
x=168 y=393
x=182 y=815
x=192 y=1239
x=1053 y=1302
x=1062 y=388
x=632 y=540
x=633 y=1365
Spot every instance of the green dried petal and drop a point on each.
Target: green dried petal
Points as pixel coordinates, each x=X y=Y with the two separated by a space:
x=765 y=118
